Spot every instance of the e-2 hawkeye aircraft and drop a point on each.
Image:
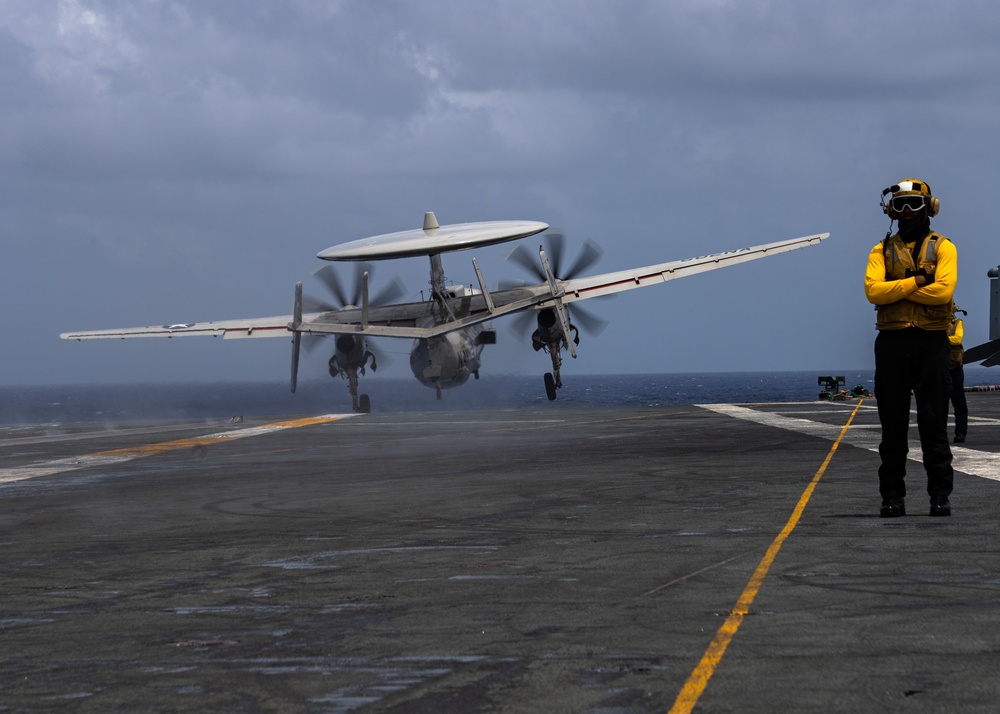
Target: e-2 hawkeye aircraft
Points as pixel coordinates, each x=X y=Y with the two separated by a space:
x=453 y=325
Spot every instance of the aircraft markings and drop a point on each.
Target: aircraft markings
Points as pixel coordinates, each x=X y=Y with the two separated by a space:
x=117 y=456
x=984 y=464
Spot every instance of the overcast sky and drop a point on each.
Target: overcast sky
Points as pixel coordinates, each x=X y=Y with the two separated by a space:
x=182 y=160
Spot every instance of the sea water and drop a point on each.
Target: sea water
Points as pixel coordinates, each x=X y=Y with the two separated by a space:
x=89 y=403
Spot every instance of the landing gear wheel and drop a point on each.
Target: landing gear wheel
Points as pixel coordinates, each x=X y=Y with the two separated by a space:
x=550 y=386
x=364 y=404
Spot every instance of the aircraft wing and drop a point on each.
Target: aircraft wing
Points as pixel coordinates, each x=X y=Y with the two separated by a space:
x=422 y=319
x=609 y=283
x=413 y=320
x=227 y=329
x=477 y=308
x=402 y=320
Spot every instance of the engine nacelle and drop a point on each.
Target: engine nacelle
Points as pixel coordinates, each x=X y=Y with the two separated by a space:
x=350 y=354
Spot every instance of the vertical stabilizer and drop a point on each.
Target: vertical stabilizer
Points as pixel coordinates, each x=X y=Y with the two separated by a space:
x=994 y=274
x=295 y=326
x=430 y=221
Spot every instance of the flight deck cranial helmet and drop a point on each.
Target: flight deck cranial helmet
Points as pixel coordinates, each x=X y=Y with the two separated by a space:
x=910 y=193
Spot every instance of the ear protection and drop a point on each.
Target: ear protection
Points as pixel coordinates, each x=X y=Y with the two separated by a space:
x=911 y=187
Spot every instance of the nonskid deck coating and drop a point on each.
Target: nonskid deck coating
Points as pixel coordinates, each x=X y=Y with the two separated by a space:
x=543 y=560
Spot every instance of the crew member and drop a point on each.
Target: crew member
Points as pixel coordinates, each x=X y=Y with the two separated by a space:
x=958 y=403
x=911 y=278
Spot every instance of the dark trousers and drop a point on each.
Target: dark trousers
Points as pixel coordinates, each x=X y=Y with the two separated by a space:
x=961 y=408
x=913 y=360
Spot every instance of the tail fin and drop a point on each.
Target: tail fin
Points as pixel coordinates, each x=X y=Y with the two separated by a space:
x=296 y=335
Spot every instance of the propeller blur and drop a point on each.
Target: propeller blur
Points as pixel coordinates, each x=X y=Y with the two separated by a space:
x=352 y=354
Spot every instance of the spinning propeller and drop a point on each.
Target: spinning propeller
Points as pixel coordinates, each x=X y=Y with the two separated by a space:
x=352 y=353
x=335 y=286
x=555 y=330
x=555 y=245
x=342 y=299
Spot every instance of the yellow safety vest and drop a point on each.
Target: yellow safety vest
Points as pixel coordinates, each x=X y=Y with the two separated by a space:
x=907 y=313
x=957 y=351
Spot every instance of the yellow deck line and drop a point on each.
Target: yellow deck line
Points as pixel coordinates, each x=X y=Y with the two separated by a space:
x=116 y=456
x=696 y=683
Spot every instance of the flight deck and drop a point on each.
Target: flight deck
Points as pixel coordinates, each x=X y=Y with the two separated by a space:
x=708 y=558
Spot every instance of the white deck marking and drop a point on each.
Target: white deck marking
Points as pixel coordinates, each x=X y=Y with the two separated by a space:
x=117 y=456
x=984 y=464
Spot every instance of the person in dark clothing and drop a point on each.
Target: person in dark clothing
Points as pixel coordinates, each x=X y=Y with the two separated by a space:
x=911 y=278
x=956 y=353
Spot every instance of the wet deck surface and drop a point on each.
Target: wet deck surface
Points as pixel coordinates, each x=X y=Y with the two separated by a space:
x=541 y=560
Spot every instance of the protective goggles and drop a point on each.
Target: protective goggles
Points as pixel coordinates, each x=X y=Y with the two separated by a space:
x=914 y=203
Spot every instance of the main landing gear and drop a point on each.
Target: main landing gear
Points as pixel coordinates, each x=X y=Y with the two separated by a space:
x=547 y=337
x=551 y=386
x=360 y=403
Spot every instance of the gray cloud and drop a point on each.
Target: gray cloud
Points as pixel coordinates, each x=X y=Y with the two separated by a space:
x=165 y=161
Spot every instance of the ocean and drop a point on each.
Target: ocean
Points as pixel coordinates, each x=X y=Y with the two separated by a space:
x=138 y=402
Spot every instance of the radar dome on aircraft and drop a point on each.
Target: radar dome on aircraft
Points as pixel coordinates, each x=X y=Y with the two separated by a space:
x=432 y=239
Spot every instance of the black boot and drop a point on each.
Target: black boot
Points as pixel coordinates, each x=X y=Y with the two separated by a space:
x=940 y=506
x=892 y=508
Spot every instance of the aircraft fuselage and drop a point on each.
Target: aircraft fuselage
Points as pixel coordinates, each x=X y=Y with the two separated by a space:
x=449 y=360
